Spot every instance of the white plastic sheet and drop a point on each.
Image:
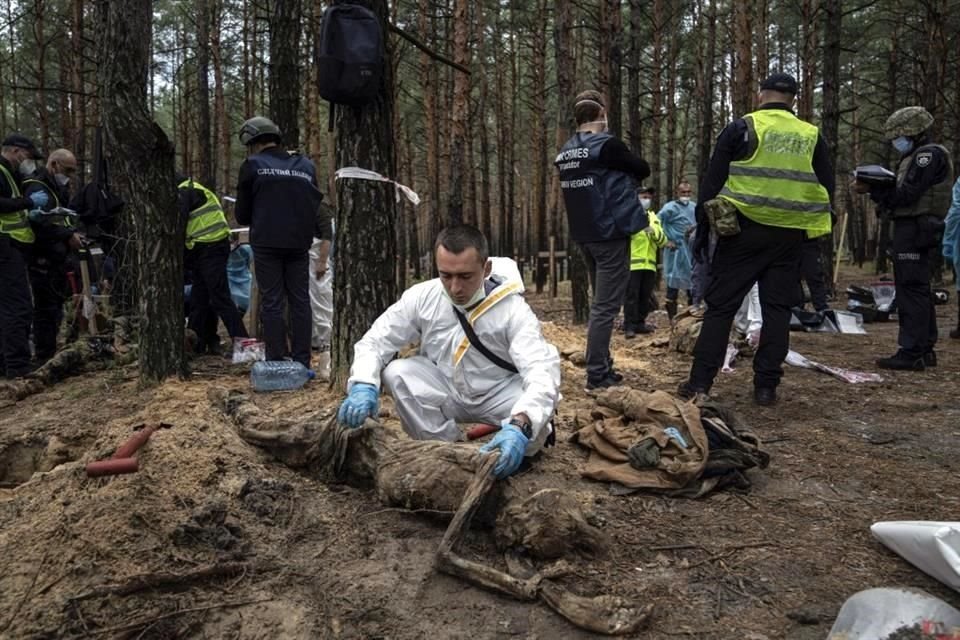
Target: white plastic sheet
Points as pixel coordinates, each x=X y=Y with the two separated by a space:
x=932 y=547
x=794 y=359
x=876 y=613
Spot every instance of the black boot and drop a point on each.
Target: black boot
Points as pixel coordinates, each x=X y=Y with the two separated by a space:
x=671 y=307
x=902 y=361
x=955 y=333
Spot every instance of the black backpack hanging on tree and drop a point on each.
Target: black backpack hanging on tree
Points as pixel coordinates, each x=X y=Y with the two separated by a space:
x=350 y=56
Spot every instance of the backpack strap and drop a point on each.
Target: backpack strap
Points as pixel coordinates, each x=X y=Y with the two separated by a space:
x=479 y=346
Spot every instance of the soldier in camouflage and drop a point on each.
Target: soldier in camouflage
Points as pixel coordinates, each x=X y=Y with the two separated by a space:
x=917 y=204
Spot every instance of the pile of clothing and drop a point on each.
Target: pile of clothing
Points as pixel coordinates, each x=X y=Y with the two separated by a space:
x=657 y=441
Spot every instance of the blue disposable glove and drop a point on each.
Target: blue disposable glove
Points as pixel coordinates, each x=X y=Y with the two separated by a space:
x=361 y=403
x=511 y=443
x=39 y=199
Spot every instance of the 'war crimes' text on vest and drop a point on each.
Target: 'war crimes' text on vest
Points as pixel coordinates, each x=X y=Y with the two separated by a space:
x=571 y=158
x=576 y=184
x=283 y=172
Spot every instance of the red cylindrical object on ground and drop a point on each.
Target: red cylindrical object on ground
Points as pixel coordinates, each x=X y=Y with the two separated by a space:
x=112 y=467
x=135 y=441
x=480 y=430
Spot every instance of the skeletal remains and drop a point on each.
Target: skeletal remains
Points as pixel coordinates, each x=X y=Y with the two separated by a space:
x=452 y=478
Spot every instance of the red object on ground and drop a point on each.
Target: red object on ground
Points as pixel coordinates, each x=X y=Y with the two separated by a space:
x=112 y=467
x=480 y=430
x=135 y=441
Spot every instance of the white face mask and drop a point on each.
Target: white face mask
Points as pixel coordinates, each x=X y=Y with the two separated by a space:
x=684 y=200
x=645 y=203
x=477 y=297
x=27 y=167
x=61 y=179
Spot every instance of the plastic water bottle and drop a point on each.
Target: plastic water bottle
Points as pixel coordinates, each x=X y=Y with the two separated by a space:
x=279 y=375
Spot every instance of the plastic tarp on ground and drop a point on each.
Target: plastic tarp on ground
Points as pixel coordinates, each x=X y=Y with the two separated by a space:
x=875 y=614
x=932 y=547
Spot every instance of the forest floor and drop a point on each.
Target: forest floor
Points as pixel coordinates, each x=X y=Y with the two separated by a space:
x=294 y=558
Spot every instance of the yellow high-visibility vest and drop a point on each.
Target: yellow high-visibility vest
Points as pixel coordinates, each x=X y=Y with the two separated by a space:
x=644 y=245
x=777 y=185
x=16 y=224
x=207 y=223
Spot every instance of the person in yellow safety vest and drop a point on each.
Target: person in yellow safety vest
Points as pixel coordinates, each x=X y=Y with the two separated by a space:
x=208 y=248
x=55 y=238
x=17 y=159
x=644 y=244
x=773 y=177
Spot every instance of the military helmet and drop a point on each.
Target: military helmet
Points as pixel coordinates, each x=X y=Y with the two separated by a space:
x=909 y=121
x=257 y=127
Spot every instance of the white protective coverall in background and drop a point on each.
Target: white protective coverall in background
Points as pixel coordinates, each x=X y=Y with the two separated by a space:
x=321 y=308
x=449 y=381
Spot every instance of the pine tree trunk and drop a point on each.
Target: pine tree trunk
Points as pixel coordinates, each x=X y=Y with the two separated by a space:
x=743 y=85
x=365 y=285
x=204 y=13
x=656 y=88
x=830 y=122
x=707 y=68
x=458 y=115
x=284 y=70
x=485 y=211
x=634 y=125
x=538 y=69
x=222 y=123
x=143 y=161
x=429 y=78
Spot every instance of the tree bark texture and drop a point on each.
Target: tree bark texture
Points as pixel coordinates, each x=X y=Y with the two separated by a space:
x=366 y=239
x=459 y=114
x=143 y=158
x=285 y=18
x=204 y=14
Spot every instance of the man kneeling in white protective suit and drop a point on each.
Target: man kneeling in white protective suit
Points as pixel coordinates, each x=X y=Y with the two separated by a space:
x=452 y=380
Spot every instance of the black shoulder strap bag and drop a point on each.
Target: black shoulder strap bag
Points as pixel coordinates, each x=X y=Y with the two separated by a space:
x=479 y=346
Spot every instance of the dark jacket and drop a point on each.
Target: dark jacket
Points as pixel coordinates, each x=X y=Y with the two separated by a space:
x=277 y=195
x=52 y=235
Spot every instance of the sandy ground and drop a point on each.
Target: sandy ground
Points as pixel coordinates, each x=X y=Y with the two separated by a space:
x=300 y=559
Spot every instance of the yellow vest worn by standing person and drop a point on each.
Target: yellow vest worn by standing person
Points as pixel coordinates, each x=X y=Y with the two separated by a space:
x=777 y=185
x=16 y=224
x=644 y=245
x=207 y=222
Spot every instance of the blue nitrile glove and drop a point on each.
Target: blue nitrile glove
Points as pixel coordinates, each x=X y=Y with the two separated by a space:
x=39 y=199
x=511 y=443
x=361 y=403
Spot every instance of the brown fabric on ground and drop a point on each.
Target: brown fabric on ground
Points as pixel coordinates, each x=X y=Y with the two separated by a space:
x=645 y=415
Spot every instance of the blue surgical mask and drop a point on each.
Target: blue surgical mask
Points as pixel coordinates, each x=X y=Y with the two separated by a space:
x=903 y=145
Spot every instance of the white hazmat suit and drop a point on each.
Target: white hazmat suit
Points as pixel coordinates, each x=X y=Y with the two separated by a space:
x=450 y=381
x=321 y=308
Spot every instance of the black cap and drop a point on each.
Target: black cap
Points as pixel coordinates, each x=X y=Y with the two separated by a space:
x=782 y=82
x=649 y=190
x=22 y=141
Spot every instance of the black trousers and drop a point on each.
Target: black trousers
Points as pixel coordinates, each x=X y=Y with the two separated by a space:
x=16 y=309
x=49 y=283
x=639 y=300
x=763 y=254
x=911 y=271
x=673 y=294
x=283 y=276
x=811 y=270
x=210 y=295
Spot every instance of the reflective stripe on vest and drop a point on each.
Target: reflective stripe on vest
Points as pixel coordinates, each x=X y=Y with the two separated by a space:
x=15 y=224
x=207 y=223
x=777 y=185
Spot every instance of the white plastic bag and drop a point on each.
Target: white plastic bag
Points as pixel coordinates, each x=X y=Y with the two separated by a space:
x=248 y=350
x=932 y=547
